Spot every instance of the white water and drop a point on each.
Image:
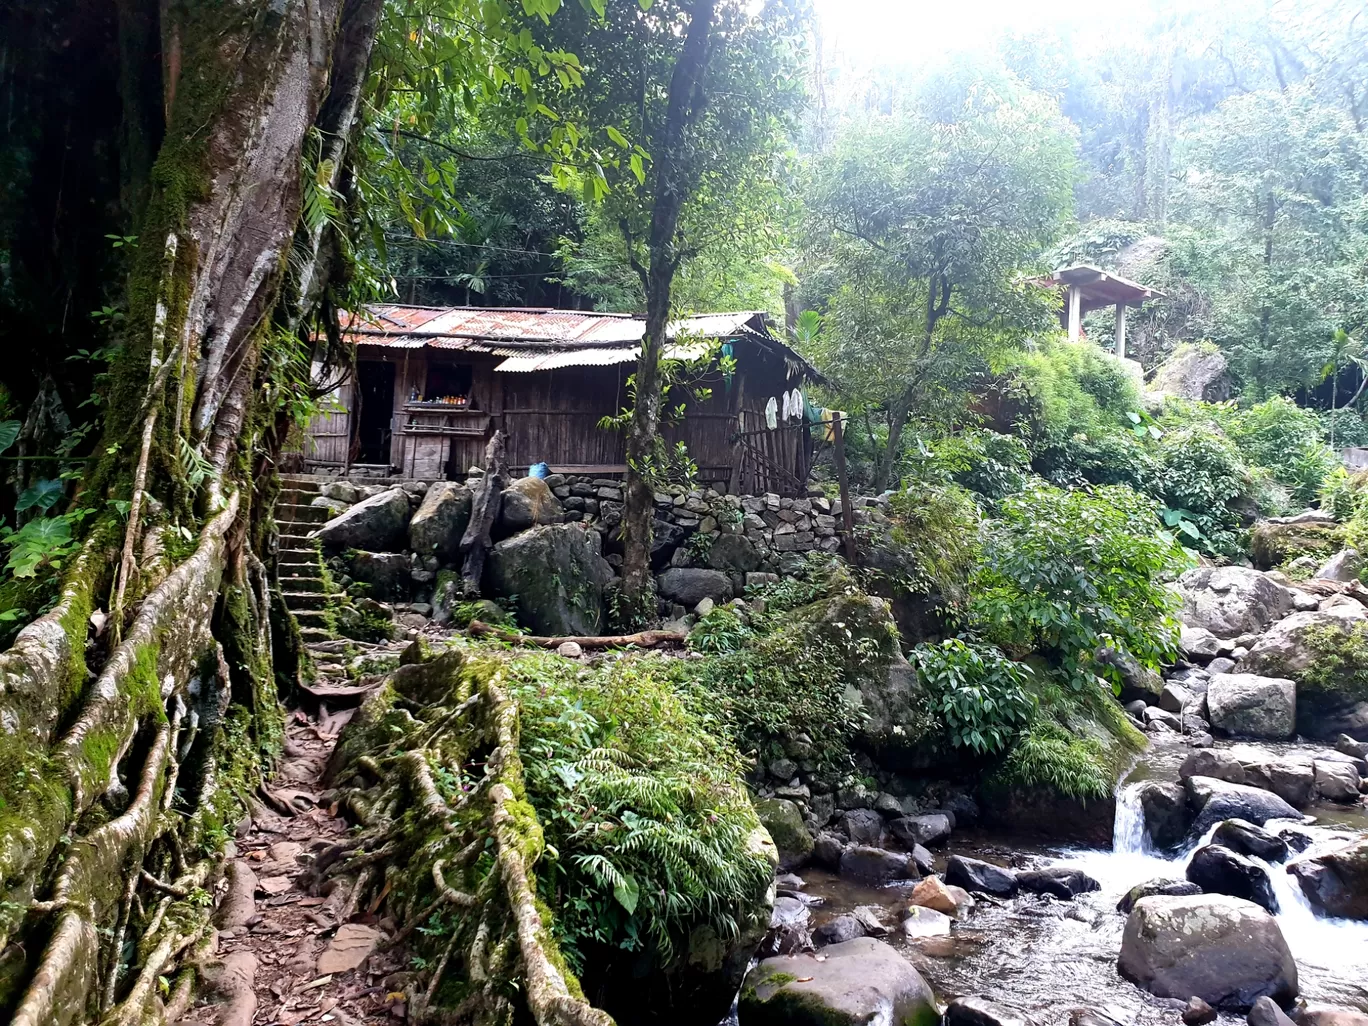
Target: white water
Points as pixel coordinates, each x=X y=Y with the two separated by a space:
x=1331 y=954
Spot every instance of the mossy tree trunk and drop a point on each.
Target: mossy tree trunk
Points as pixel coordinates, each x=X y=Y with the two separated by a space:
x=124 y=752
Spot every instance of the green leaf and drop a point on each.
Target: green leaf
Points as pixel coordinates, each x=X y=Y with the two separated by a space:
x=42 y=495
x=617 y=137
x=627 y=893
x=1133 y=416
x=9 y=433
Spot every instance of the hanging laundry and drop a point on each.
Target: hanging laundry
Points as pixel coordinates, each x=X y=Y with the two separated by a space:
x=772 y=413
x=799 y=407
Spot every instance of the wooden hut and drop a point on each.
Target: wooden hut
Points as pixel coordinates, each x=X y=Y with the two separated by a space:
x=432 y=384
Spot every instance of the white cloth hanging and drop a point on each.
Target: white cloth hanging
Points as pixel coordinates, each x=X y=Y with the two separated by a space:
x=772 y=413
x=799 y=406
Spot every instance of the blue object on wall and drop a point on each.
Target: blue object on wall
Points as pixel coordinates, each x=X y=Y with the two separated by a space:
x=538 y=470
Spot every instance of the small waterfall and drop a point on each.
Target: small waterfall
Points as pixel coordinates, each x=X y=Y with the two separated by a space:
x=1129 y=836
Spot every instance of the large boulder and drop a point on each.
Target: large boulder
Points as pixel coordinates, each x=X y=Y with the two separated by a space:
x=982 y=877
x=689 y=586
x=1215 y=800
x=856 y=983
x=441 y=519
x=1248 y=839
x=733 y=553
x=786 y=828
x=1292 y=645
x=1336 y=780
x=377 y=524
x=1218 y=870
x=1248 y=705
x=931 y=828
x=1274 y=543
x=1231 y=600
x=1063 y=882
x=1138 y=682
x=1227 y=951
x=1336 y=883
x=385 y=574
x=527 y=502
x=1194 y=372
x=877 y=866
x=1290 y=777
x=1344 y=566
x=1166 y=813
x=555 y=577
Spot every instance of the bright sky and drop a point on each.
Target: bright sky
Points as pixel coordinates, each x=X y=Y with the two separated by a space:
x=870 y=32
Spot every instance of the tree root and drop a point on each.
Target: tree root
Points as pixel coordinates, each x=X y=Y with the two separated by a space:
x=642 y=639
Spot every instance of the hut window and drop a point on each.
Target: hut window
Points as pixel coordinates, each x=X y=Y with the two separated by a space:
x=448 y=380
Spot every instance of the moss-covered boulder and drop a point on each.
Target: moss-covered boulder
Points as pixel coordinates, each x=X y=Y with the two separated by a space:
x=378 y=524
x=1275 y=543
x=527 y=502
x=787 y=830
x=555 y=576
x=1326 y=653
x=853 y=983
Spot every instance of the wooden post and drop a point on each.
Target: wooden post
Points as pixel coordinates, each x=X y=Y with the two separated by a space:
x=843 y=479
x=1120 y=349
x=1075 y=298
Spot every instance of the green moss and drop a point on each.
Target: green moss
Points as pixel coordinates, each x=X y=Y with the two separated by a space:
x=1340 y=662
x=1273 y=545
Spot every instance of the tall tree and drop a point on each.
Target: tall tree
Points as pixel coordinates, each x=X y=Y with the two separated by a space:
x=924 y=223
x=699 y=97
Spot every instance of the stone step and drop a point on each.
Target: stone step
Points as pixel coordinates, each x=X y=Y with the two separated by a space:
x=296 y=536
x=300 y=601
x=311 y=618
x=301 y=483
x=302 y=584
x=314 y=635
x=295 y=513
x=297 y=557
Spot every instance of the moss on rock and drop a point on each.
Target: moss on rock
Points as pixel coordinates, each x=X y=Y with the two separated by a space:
x=1273 y=545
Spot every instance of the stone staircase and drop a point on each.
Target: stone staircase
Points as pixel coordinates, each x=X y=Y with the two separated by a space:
x=302 y=582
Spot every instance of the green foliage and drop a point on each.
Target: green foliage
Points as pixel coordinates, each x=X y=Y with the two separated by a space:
x=1064 y=572
x=935 y=539
x=992 y=464
x=721 y=630
x=41 y=543
x=1340 y=661
x=1287 y=440
x=1049 y=758
x=1200 y=474
x=1067 y=389
x=978 y=694
x=639 y=800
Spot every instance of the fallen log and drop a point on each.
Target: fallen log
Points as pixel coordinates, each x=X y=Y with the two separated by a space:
x=642 y=639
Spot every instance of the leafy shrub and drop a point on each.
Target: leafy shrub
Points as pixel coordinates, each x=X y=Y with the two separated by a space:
x=1201 y=474
x=935 y=540
x=1073 y=388
x=1049 y=758
x=721 y=630
x=1287 y=439
x=992 y=464
x=979 y=695
x=1111 y=457
x=1065 y=571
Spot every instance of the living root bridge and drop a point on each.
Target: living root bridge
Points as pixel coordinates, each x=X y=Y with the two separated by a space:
x=433 y=841
x=147 y=714
x=642 y=639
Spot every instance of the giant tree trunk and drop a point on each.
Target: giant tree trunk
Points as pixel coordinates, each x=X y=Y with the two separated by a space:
x=129 y=745
x=686 y=101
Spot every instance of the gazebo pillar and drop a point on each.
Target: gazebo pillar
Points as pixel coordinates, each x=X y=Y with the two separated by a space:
x=1075 y=298
x=1120 y=349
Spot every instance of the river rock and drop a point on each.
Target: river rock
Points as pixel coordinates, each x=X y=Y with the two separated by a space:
x=788 y=929
x=863 y=826
x=1230 y=600
x=1137 y=681
x=1324 y=1015
x=838 y=930
x=1062 y=882
x=377 y=524
x=440 y=520
x=1292 y=779
x=1287 y=649
x=1218 y=870
x=689 y=586
x=921 y=921
x=875 y=865
x=1348 y=746
x=556 y=577
x=1215 y=800
x=1248 y=839
x=1227 y=951
x=1193 y=372
x=1156 y=888
x=1175 y=698
x=1164 y=806
x=1201 y=646
x=858 y=982
x=1345 y=565
x=1336 y=883
x=1217 y=763
x=1266 y=1013
x=924 y=860
x=1248 y=705
x=928 y=829
x=1337 y=781
x=826 y=850
x=1198 y=1013
x=934 y=893
x=527 y=502
x=784 y=822
x=975 y=1010
x=974 y=875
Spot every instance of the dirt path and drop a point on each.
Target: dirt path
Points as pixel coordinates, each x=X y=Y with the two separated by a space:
x=284 y=956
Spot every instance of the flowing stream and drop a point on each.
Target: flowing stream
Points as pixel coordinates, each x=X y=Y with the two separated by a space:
x=1047 y=957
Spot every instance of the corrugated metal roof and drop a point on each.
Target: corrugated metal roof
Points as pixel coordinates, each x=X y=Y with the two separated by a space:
x=597 y=356
x=542 y=339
